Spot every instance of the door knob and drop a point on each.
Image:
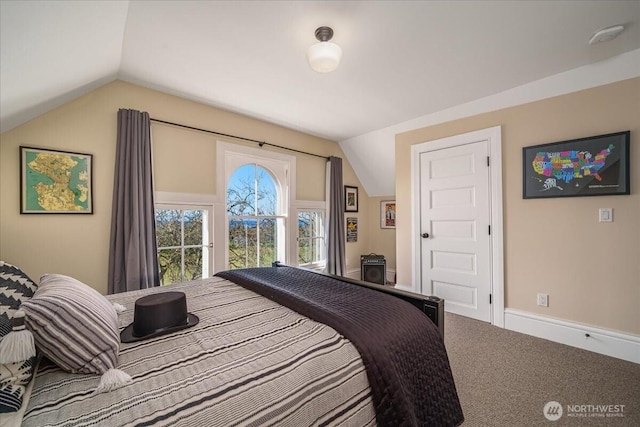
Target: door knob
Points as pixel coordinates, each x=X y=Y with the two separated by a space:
x=425 y=235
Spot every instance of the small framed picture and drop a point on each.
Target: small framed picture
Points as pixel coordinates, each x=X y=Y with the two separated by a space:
x=55 y=182
x=352 y=230
x=350 y=199
x=388 y=214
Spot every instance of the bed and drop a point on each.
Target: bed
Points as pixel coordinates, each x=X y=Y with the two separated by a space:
x=275 y=346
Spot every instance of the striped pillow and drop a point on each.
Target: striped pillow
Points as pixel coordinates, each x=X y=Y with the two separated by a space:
x=15 y=288
x=73 y=325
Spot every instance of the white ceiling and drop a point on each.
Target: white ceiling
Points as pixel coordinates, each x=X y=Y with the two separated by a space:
x=401 y=60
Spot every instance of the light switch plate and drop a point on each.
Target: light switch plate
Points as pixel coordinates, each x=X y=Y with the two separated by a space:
x=606 y=214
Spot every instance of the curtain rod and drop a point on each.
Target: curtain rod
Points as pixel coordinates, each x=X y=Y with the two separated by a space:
x=260 y=143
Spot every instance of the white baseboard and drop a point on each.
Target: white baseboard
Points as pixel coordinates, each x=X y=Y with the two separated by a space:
x=603 y=341
x=353 y=274
x=391 y=275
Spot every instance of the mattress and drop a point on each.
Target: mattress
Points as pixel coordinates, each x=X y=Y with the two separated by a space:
x=250 y=361
x=274 y=346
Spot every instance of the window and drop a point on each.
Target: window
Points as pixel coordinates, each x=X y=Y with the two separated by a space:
x=311 y=249
x=256 y=227
x=258 y=187
x=182 y=234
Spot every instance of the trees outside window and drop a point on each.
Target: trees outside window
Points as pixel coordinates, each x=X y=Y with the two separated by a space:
x=311 y=241
x=259 y=189
x=183 y=243
x=256 y=227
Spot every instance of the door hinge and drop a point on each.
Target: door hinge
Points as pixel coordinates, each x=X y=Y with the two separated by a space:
x=487 y=160
x=489 y=298
x=489 y=230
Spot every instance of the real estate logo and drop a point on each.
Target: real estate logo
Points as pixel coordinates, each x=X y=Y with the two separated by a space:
x=595 y=411
x=552 y=411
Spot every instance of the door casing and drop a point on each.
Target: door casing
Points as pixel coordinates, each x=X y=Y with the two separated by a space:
x=494 y=137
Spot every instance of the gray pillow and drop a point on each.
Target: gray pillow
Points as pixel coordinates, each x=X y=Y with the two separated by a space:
x=73 y=325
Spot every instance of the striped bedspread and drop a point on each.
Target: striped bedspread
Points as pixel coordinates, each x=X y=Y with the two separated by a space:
x=402 y=350
x=249 y=361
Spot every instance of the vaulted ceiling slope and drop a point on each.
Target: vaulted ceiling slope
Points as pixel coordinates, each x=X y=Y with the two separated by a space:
x=402 y=59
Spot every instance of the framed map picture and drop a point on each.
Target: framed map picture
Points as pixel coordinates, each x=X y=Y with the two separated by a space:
x=593 y=166
x=55 y=181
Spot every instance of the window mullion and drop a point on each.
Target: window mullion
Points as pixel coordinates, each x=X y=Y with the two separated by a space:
x=182 y=246
x=258 y=242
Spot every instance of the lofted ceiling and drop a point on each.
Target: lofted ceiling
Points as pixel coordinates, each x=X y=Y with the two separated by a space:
x=402 y=59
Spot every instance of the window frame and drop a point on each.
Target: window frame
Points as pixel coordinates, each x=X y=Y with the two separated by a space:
x=230 y=157
x=311 y=206
x=277 y=217
x=186 y=201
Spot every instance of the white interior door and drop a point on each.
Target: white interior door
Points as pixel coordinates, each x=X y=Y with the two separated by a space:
x=455 y=215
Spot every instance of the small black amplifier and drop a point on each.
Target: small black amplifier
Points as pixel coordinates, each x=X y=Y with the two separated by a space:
x=373 y=268
x=372 y=258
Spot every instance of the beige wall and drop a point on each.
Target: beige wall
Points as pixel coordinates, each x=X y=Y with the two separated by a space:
x=590 y=270
x=353 y=250
x=382 y=241
x=184 y=160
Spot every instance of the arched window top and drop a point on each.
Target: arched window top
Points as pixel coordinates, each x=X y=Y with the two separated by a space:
x=259 y=186
x=252 y=191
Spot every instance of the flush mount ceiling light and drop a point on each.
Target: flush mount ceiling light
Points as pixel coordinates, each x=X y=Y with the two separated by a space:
x=606 y=34
x=324 y=56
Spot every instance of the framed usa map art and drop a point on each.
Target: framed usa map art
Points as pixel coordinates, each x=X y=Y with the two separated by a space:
x=53 y=181
x=593 y=166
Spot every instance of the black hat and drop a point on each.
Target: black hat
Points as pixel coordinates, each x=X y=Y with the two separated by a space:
x=158 y=314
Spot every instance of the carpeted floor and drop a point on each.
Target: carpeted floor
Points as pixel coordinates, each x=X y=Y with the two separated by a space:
x=505 y=378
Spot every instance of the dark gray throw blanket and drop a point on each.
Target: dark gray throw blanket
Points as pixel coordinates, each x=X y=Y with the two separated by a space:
x=402 y=350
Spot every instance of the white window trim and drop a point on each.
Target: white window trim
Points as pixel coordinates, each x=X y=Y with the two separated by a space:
x=308 y=205
x=166 y=197
x=229 y=157
x=164 y=200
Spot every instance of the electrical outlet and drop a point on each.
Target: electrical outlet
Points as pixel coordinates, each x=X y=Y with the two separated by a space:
x=543 y=300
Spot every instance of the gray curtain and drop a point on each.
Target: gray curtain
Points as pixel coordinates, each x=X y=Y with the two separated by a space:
x=133 y=262
x=335 y=221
